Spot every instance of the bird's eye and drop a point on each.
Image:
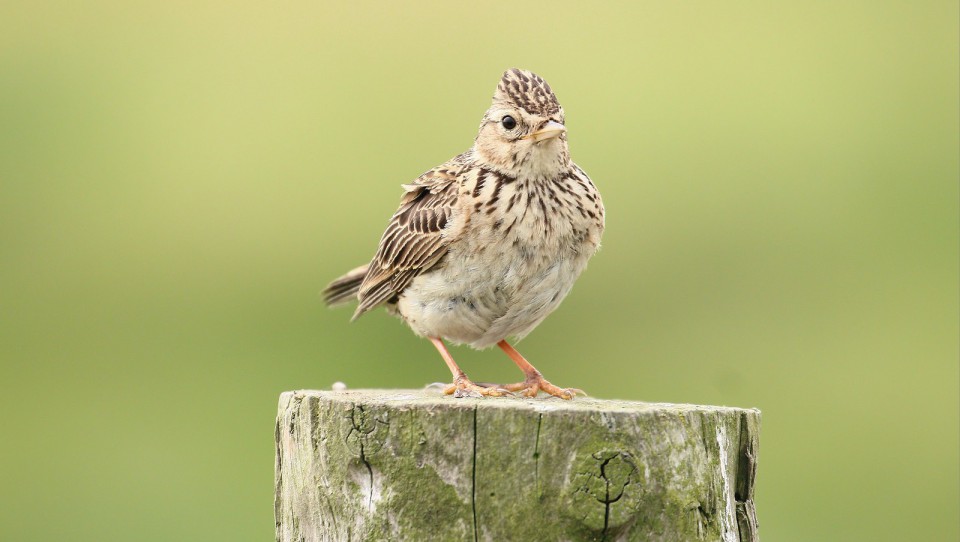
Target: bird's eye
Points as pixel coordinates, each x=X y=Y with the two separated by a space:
x=508 y=122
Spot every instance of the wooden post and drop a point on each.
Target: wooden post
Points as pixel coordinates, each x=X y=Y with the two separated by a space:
x=416 y=465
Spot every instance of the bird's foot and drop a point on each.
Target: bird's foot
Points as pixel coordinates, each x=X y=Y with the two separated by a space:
x=464 y=387
x=535 y=383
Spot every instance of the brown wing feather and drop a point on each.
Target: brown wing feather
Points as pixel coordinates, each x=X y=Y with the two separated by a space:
x=346 y=287
x=414 y=240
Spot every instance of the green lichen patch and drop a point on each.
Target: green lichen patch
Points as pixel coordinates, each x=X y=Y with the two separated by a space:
x=410 y=465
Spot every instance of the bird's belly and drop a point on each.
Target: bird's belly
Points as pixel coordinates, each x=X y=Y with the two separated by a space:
x=481 y=295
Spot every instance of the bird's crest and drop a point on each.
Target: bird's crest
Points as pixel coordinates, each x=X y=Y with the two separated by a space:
x=528 y=91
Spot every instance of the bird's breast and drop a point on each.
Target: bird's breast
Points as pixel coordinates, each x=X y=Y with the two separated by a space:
x=533 y=217
x=520 y=246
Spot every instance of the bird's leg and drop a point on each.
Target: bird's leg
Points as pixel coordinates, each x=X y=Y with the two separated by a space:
x=534 y=381
x=462 y=386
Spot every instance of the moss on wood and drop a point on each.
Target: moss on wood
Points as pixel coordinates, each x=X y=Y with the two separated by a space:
x=414 y=465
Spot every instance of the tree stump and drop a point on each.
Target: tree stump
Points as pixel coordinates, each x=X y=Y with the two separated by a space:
x=417 y=465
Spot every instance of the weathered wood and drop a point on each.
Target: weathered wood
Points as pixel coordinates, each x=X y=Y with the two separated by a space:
x=415 y=465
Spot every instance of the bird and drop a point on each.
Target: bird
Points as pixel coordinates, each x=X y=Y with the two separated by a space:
x=484 y=246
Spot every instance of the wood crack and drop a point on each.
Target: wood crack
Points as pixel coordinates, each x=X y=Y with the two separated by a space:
x=536 y=456
x=278 y=483
x=606 y=501
x=746 y=471
x=363 y=427
x=473 y=492
x=363 y=459
x=616 y=480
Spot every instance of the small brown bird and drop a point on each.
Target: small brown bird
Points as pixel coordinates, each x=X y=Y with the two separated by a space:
x=485 y=246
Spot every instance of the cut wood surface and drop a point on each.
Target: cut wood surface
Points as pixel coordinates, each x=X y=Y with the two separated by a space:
x=417 y=465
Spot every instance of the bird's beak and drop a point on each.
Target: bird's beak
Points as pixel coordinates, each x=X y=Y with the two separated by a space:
x=550 y=130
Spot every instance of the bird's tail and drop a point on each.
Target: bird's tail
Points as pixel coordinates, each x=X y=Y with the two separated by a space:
x=345 y=288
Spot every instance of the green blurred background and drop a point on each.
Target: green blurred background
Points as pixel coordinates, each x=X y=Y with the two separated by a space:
x=180 y=179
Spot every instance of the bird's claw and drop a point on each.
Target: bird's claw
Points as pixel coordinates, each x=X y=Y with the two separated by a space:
x=463 y=387
x=534 y=384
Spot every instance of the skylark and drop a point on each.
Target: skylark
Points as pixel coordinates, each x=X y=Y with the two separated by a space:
x=488 y=244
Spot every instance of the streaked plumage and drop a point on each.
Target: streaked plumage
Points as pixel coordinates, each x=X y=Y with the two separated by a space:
x=488 y=244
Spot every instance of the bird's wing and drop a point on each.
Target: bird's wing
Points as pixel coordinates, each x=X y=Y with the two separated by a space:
x=417 y=236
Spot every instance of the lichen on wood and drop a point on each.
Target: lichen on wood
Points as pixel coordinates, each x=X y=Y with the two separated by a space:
x=416 y=465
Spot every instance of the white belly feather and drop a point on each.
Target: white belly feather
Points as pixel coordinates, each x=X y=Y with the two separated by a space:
x=479 y=301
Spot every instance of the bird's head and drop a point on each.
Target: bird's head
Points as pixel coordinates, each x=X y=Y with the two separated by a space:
x=523 y=133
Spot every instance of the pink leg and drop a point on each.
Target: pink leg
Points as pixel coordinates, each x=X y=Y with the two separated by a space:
x=462 y=386
x=534 y=381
